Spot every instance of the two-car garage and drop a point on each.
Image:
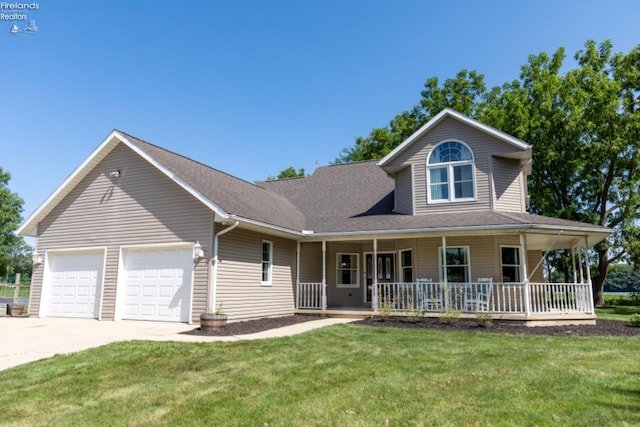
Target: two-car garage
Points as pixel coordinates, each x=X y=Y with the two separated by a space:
x=153 y=283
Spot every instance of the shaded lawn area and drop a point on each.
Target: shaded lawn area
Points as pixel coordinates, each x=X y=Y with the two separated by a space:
x=617 y=312
x=341 y=375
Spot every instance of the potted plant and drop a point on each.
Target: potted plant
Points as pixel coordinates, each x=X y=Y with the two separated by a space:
x=213 y=320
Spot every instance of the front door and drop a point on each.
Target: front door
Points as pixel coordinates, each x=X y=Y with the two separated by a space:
x=384 y=271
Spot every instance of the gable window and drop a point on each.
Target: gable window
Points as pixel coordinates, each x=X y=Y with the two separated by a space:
x=267 y=262
x=457 y=264
x=406 y=265
x=347 y=272
x=510 y=259
x=450 y=173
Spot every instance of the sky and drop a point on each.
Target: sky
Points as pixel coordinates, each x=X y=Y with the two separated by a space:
x=254 y=87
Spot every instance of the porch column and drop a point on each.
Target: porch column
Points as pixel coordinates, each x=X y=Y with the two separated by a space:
x=374 y=293
x=588 y=268
x=573 y=265
x=297 y=274
x=324 y=274
x=580 y=264
x=524 y=274
x=444 y=260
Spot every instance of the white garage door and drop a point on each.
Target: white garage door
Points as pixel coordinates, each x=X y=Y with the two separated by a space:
x=74 y=281
x=158 y=284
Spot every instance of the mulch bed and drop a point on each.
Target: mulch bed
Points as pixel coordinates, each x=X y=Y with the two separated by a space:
x=601 y=328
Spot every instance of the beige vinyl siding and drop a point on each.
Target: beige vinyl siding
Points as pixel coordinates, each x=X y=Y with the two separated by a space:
x=239 y=276
x=404 y=191
x=483 y=147
x=141 y=207
x=508 y=185
x=311 y=262
x=533 y=258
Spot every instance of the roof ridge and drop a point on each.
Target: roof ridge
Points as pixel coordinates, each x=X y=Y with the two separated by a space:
x=187 y=158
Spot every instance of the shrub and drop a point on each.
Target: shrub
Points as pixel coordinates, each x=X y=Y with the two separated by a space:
x=483 y=319
x=635 y=319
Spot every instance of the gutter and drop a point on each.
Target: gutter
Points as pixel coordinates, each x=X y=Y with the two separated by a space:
x=213 y=271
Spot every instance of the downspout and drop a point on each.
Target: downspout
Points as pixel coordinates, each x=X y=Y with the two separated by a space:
x=213 y=271
x=297 y=274
x=324 y=275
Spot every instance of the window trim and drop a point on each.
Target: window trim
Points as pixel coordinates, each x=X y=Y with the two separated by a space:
x=403 y=267
x=518 y=266
x=268 y=282
x=450 y=175
x=441 y=266
x=357 y=270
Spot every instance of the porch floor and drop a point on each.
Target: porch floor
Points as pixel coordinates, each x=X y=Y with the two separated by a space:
x=551 y=319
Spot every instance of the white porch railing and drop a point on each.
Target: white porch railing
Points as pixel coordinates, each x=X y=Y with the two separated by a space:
x=544 y=298
x=434 y=297
x=560 y=298
x=310 y=296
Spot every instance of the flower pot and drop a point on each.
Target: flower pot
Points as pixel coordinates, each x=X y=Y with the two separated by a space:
x=212 y=322
x=15 y=310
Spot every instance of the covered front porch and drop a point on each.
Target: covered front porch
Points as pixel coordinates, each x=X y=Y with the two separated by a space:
x=500 y=274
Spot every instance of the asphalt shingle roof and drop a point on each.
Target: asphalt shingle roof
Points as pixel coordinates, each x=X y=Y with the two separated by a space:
x=342 y=198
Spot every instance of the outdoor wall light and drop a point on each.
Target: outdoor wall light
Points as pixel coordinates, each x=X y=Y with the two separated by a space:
x=36 y=258
x=198 y=253
x=115 y=174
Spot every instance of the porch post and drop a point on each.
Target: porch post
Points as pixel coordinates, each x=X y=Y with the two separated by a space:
x=444 y=260
x=524 y=273
x=297 y=274
x=573 y=265
x=324 y=274
x=580 y=264
x=374 y=293
x=588 y=268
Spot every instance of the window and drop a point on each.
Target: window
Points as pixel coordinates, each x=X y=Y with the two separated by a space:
x=457 y=264
x=450 y=173
x=267 y=261
x=406 y=265
x=347 y=270
x=510 y=258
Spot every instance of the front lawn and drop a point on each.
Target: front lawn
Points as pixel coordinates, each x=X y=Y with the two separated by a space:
x=344 y=375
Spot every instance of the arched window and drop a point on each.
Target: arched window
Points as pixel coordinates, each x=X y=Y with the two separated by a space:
x=450 y=173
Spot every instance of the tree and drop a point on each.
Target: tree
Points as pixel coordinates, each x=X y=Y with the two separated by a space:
x=10 y=210
x=289 y=172
x=584 y=126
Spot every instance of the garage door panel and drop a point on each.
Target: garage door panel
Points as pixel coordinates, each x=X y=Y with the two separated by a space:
x=73 y=285
x=158 y=284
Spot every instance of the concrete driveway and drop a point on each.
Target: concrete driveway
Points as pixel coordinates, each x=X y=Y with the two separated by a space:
x=27 y=339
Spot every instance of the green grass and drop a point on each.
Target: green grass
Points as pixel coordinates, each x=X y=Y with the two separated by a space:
x=7 y=291
x=337 y=376
x=617 y=312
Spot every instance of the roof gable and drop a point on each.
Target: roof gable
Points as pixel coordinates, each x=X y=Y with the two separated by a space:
x=516 y=143
x=226 y=196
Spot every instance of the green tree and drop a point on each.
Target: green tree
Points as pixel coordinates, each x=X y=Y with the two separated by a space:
x=10 y=210
x=584 y=125
x=289 y=172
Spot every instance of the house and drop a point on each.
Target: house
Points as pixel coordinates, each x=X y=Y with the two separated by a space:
x=440 y=223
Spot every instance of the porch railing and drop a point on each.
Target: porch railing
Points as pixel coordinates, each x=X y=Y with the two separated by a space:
x=486 y=297
x=310 y=296
x=434 y=297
